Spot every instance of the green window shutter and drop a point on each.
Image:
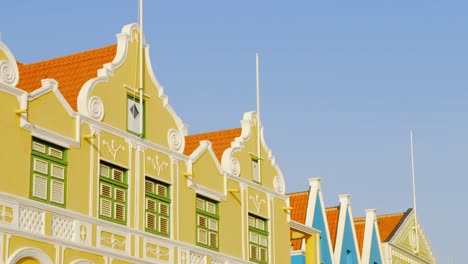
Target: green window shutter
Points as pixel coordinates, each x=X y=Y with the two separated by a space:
x=113 y=193
x=207 y=223
x=258 y=239
x=48 y=172
x=157 y=207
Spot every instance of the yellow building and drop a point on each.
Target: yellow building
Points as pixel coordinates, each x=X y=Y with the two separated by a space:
x=98 y=168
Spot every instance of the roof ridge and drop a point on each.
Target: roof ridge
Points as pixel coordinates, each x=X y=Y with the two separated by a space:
x=68 y=55
x=214 y=131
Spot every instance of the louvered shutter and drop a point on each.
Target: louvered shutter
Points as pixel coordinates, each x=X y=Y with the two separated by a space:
x=253 y=238
x=117 y=175
x=263 y=254
x=41 y=166
x=253 y=252
x=213 y=224
x=151 y=221
x=39 y=147
x=163 y=225
x=119 y=212
x=163 y=208
x=263 y=241
x=200 y=204
x=161 y=190
x=149 y=186
x=40 y=186
x=106 y=208
x=202 y=221
x=57 y=191
x=55 y=153
x=150 y=204
x=119 y=195
x=213 y=239
x=104 y=171
x=57 y=171
x=210 y=208
x=202 y=236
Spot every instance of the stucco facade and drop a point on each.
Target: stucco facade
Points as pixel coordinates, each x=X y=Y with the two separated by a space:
x=85 y=182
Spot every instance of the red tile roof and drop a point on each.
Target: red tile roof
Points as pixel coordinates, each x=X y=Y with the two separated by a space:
x=333 y=214
x=298 y=201
x=360 y=226
x=71 y=71
x=220 y=140
x=389 y=223
x=296 y=243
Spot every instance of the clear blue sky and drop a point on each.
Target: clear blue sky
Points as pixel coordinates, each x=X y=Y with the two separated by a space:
x=342 y=84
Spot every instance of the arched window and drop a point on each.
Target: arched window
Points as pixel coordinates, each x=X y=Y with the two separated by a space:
x=28 y=255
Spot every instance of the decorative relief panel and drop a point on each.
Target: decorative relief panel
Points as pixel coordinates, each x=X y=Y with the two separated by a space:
x=7 y=214
x=156 y=250
x=32 y=221
x=7 y=73
x=197 y=258
x=96 y=108
x=158 y=166
x=113 y=240
x=184 y=256
x=63 y=228
x=257 y=202
x=112 y=148
x=174 y=139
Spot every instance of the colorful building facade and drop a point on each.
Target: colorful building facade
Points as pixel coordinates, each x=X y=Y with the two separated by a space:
x=373 y=239
x=100 y=169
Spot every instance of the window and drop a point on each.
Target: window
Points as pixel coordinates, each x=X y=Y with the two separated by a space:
x=112 y=193
x=207 y=223
x=48 y=172
x=157 y=207
x=255 y=170
x=134 y=113
x=258 y=239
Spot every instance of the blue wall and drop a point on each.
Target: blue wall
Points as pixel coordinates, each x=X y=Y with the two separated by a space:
x=319 y=223
x=298 y=259
x=348 y=251
x=375 y=257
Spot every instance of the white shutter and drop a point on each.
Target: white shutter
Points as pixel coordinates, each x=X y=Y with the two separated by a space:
x=163 y=209
x=151 y=221
x=40 y=186
x=253 y=252
x=104 y=170
x=251 y=221
x=119 y=211
x=253 y=238
x=161 y=190
x=263 y=254
x=202 y=236
x=38 y=147
x=260 y=224
x=117 y=175
x=150 y=205
x=213 y=224
x=133 y=115
x=55 y=153
x=200 y=204
x=57 y=171
x=106 y=208
x=106 y=190
x=149 y=186
x=41 y=166
x=163 y=225
x=211 y=208
x=119 y=195
x=213 y=239
x=202 y=221
x=57 y=191
x=256 y=175
x=263 y=241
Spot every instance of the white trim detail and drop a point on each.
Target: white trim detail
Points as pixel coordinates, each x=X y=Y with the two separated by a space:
x=30 y=252
x=9 y=73
x=96 y=108
x=257 y=202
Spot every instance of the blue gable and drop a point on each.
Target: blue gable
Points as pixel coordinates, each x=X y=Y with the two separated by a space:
x=348 y=251
x=375 y=257
x=319 y=223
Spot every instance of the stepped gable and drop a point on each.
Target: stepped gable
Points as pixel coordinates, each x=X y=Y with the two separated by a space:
x=70 y=71
x=298 y=201
x=333 y=214
x=220 y=141
x=360 y=227
x=389 y=223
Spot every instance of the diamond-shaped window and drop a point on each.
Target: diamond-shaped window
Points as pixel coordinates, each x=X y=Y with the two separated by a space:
x=134 y=111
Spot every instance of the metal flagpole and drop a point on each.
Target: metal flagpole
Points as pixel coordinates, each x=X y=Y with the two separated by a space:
x=141 y=68
x=414 y=191
x=258 y=117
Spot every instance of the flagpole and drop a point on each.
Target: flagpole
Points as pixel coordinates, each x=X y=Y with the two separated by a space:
x=258 y=115
x=141 y=68
x=414 y=190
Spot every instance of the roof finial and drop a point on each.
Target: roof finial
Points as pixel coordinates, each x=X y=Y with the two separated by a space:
x=415 y=227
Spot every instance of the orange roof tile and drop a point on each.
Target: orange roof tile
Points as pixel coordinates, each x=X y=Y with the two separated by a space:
x=389 y=223
x=220 y=141
x=296 y=243
x=298 y=201
x=71 y=71
x=360 y=226
x=333 y=214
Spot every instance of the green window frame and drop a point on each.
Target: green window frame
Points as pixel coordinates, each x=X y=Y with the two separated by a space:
x=112 y=193
x=48 y=173
x=134 y=98
x=207 y=217
x=256 y=174
x=157 y=207
x=258 y=239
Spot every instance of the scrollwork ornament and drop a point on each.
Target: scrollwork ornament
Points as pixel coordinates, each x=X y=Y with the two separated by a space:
x=278 y=183
x=174 y=139
x=235 y=167
x=7 y=73
x=96 y=108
